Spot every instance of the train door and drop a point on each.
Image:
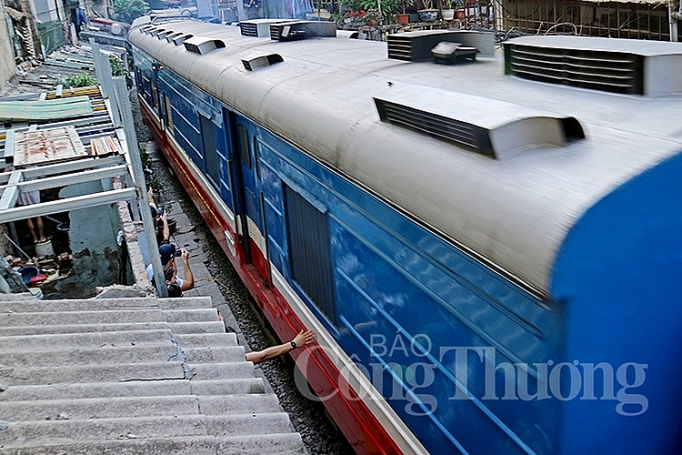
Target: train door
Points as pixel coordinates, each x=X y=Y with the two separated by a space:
x=154 y=81
x=253 y=213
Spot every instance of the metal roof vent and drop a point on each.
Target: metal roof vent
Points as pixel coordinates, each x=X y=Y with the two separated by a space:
x=493 y=128
x=262 y=61
x=200 y=45
x=290 y=31
x=607 y=64
x=453 y=53
x=416 y=46
x=156 y=31
x=164 y=34
x=259 y=28
x=172 y=36
x=181 y=39
x=146 y=29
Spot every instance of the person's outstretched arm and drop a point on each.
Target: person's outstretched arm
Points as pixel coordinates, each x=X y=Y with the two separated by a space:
x=188 y=276
x=303 y=338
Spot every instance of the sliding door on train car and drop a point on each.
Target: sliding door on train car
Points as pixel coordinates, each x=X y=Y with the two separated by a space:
x=253 y=213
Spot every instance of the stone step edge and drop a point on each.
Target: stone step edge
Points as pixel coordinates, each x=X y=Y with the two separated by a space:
x=261 y=423
x=184 y=387
x=77 y=305
x=284 y=443
x=138 y=407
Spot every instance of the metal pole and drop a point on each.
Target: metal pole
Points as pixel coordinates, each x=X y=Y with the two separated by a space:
x=121 y=93
x=99 y=71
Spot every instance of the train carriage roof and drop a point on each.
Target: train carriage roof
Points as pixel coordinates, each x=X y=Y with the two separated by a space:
x=514 y=211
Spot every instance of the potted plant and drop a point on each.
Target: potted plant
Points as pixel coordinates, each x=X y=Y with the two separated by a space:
x=428 y=13
x=459 y=9
x=401 y=16
x=447 y=10
x=372 y=17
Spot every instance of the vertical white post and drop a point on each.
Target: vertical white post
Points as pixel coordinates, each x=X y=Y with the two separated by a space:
x=121 y=93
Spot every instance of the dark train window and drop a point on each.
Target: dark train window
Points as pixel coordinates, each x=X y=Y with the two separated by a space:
x=310 y=252
x=210 y=154
x=255 y=157
x=244 y=146
x=169 y=115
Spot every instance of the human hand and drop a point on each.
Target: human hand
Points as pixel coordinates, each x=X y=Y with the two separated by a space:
x=184 y=254
x=304 y=337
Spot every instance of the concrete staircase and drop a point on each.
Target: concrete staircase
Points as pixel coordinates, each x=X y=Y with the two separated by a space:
x=131 y=376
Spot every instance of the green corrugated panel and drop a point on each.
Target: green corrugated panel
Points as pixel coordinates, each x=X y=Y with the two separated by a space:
x=58 y=109
x=51 y=35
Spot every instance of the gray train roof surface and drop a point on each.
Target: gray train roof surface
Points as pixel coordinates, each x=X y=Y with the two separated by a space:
x=514 y=211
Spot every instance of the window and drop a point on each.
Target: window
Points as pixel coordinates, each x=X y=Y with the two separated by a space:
x=169 y=114
x=244 y=146
x=310 y=252
x=210 y=153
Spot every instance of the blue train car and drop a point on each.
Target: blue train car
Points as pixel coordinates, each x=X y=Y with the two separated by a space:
x=490 y=253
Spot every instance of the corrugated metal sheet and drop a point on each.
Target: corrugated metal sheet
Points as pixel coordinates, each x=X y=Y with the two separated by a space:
x=51 y=145
x=53 y=110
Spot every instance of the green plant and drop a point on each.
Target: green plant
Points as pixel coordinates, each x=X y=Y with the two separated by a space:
x=152 y=182
x=372 y=14
x=116 y=64
x=82 y=79
x=401 y=6
x=155 y=184
x=389 y=8
x=129 y=10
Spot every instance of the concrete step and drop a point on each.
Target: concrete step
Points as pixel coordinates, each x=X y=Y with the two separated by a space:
x=68 y=340
x=196 y=315
x=206 y=339
x=107 y=317
x=228 y=386
x=127 y=376
x=93 y=373
x=176 y=327
x=239 y=404
x=22 y=297
x=129 y=407
x=216 y=371
x=63 y=431
x=107 y=355
x=98 y=408
x=81 y=328
x=211 y=354
x=131 y=389
x=84 y=317
x=100 y=355
x=197 y=327
x=271 y=444
x=51 y=306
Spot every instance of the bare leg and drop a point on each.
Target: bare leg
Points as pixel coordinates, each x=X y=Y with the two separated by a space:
x=32 y=229
x=39 y=225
